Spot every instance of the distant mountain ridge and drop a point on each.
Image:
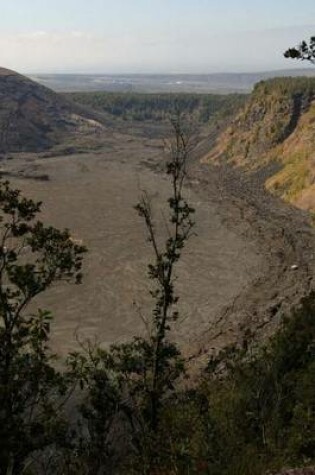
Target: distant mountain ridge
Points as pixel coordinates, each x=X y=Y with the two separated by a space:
x=274 y=135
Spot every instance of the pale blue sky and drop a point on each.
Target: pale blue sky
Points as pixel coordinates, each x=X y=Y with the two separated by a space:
x=151 y=35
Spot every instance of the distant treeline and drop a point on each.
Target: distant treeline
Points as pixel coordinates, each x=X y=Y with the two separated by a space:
x=286 y=86
x=158 y=107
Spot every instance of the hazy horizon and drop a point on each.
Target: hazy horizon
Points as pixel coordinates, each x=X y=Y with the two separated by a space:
x=296 y=68
x=150 y=37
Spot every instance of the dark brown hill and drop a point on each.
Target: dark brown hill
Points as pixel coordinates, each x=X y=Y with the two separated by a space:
x=32 y=117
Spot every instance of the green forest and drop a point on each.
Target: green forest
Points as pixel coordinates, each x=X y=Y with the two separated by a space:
x=159 y=107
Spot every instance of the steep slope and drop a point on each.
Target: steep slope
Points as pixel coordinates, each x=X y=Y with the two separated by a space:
x=32 y=117
x=274 y=135
x=295 y=180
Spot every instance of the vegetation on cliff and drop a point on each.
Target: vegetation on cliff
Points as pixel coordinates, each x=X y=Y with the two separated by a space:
x=275 y=131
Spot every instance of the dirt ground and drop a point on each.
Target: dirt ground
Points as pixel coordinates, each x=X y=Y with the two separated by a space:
x=235 y=273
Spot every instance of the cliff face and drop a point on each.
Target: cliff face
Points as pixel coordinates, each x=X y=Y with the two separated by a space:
x=295 y=181
x=276 y=126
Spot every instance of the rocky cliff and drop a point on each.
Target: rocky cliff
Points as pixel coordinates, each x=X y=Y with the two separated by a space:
x=274 y=136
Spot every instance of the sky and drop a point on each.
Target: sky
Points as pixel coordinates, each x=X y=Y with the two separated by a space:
x=151 y=36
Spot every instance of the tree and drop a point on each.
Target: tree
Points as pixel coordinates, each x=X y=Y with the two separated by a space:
x=32 y=258
x=132 y=381
x=305 y=51
x=162 y=270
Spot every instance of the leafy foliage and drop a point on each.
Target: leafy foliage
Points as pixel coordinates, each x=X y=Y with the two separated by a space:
x=255 y=409
x=305 y=51
x=32 y=258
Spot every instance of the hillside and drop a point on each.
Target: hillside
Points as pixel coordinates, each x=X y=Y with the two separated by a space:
x=32 y=117
x=274 y=135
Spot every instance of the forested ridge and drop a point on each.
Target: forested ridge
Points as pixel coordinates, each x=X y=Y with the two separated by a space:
x=158 y=107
